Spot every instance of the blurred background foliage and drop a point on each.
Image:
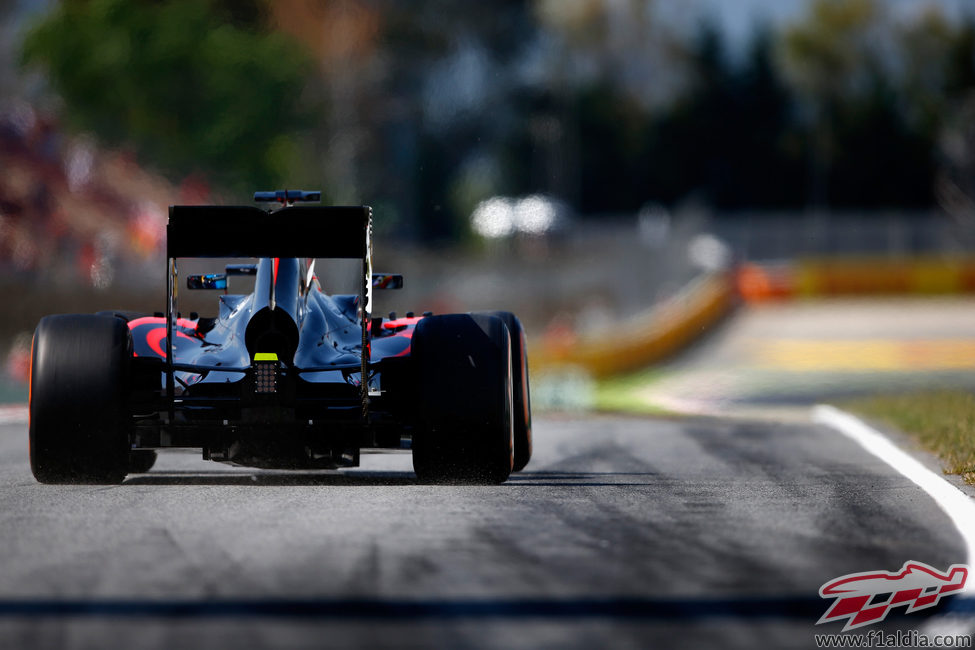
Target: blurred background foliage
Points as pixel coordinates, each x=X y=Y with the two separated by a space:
x=424 y=110
x=193 y=86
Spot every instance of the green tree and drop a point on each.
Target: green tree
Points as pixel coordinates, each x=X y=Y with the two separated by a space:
x=940 y=91
x=830 y=57
x=873 y=93
x=193 y=86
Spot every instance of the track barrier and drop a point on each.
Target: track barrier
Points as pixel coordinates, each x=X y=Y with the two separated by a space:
x=860 y=276
x=646 y=338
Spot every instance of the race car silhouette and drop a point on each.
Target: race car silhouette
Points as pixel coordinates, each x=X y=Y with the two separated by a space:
x=286 y=376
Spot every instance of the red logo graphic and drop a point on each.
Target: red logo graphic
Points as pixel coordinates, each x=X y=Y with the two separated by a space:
x=867 y=598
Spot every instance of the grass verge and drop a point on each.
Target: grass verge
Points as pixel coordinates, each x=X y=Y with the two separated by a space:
x=943 y=422
x=621 y=394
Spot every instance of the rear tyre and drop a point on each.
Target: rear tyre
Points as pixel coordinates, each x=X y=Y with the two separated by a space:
x=78 y=417
x=464 y=417
x=521 y=395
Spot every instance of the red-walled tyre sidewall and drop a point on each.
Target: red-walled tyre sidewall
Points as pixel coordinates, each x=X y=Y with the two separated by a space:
x=521 y=392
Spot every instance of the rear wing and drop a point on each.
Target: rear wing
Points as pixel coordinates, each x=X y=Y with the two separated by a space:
x=247 y=231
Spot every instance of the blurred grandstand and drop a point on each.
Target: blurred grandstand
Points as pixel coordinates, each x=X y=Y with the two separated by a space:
x=71 y=213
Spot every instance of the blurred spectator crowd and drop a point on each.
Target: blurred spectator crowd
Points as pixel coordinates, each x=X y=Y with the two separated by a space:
x=72 y=213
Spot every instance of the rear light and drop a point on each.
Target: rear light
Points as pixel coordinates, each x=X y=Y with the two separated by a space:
x=266 y=367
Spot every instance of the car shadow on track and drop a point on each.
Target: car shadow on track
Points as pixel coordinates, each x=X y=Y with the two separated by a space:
x=637 y=608
x=385 y=478
x=283 y=479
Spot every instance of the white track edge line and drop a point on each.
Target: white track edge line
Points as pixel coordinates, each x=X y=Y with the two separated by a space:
x=959 y=507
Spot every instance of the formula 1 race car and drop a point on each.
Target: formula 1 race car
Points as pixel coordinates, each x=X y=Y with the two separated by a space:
x=285 y=377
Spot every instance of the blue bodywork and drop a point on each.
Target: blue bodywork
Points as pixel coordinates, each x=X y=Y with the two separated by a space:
x=310 y=331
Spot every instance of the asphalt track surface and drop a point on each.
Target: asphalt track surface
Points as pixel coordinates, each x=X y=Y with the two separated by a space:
x=623 y=532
